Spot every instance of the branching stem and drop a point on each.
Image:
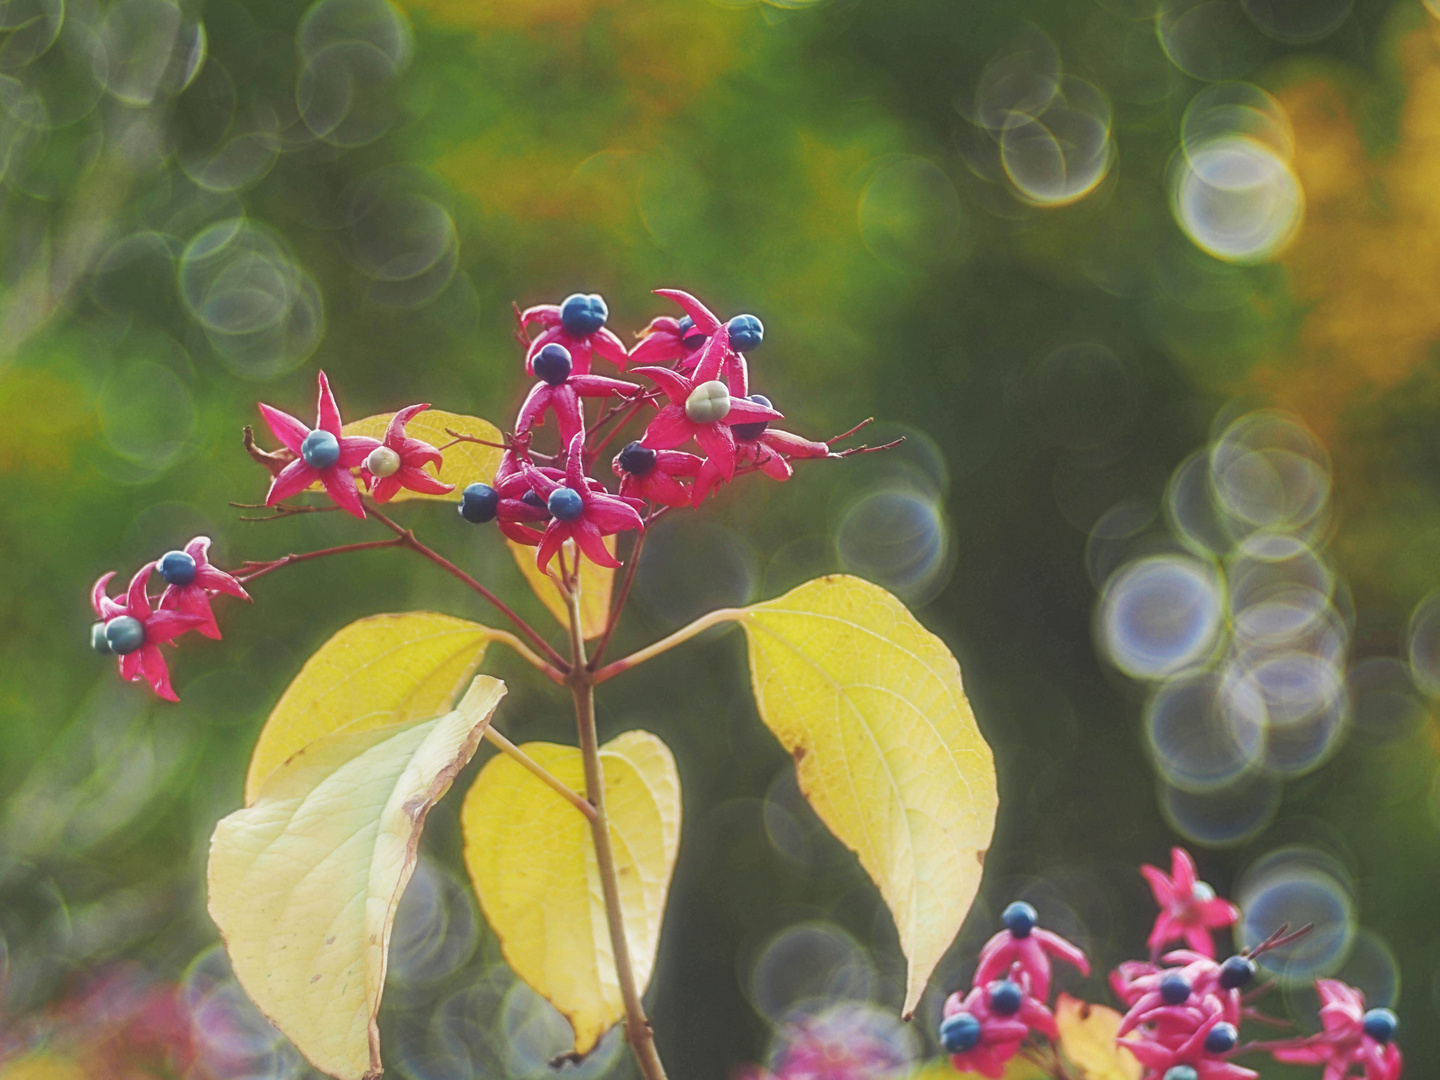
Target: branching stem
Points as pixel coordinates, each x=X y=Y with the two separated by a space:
x=665 y=644
x=582 y=688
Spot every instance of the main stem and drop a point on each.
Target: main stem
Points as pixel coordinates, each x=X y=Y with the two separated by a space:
x=582 y=687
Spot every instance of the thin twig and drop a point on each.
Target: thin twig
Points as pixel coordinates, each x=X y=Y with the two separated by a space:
x=253 y=569
x=619 y=606
x=281 y=511
x=274 y=462
x=555 y=784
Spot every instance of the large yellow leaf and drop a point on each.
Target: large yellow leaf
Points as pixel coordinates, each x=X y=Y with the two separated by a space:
x=869 y=704
x=465 y=462
x=532 y=860
x=385 y=669
x=596 y=583
x=1087 y=1039
x=304 y=883
x=1017 y=1068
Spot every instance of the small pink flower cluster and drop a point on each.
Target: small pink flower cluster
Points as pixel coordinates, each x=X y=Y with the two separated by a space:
x=1184 y=1007
x=134 y=626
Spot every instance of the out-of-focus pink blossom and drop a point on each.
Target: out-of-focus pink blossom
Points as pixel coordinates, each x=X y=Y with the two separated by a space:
x=1189 y=908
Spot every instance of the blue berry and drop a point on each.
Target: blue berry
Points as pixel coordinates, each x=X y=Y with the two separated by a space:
x=1174 y=989
x=751 y=432
x=530 y=498
x=1005 y=997
x=1181 y=1072
x=1222 y=1039
x=959 y=1033
x=1236 y=972
x=320 y=449
x=689 y=336
x=746 y=332
x=177 y=568
x=1020 y=918
x=1380 y=1025
x=637 y=460
x=125 y=634
x=581 y=314
x=553 y=363
x=98 y=641
x=479 y=503
x=565 y=504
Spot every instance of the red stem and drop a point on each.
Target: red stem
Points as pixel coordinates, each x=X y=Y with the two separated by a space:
x=406 y=538
x=263 y=568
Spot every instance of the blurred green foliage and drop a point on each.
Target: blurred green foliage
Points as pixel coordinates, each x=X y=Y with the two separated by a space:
x=193 y=220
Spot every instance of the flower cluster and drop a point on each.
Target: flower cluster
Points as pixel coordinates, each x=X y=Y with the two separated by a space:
x=135 y=625
x=1184 y=1008
x=698 y=388
x=697 y=364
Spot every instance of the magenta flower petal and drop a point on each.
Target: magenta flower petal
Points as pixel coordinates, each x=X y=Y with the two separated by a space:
x=130 y=665
x=354 y=449
x=1160 y=885
x=669 y=427
x=575 y=463
x=340 y=486
x=556 y=533
x=395 y=430
x=1182 y=872
x=774 y=466
x=100 y=600
x=612 y=515
x=703 y=318
x=749 y=412
x=418 y=480
x=588 y=539
x=291 y=480
x=532 y=410
x=568 y=418
x=609 y=347
x=718 y=442
x=712 y=357
x=187 y=600
x=152 y=666
x=137 y=603
x=290 y=431
x=327 y=413
x=676 y=386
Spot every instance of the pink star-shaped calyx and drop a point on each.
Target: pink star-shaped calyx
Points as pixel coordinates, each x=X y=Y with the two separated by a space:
x=193 y=597
x=1189 y=908
x=582 y=345
x=135 y=630
x=702 y=408
x=399 y=461
x=322 y=453
x=578 y=512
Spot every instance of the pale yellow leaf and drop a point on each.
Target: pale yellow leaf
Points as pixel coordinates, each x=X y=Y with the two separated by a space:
x=304 y=883
x=43 y=1066
x=384 y=669
x=596 y=583
x=465 y=463
x=532 y=860
x=869 y=704
x=1087 y=1039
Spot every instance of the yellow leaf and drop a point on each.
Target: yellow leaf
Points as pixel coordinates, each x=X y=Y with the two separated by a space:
x=596 y=583
x=1017 y=1068
x=465 y=462
x=43 y=1066
x=385 y=669
x=532 y=861
x=304 y=883
x=1087 y=1038
x=869 y=704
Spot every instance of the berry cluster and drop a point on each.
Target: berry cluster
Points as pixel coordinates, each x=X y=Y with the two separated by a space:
x=134 y=626
x=1184 y=1007
x=696 y=363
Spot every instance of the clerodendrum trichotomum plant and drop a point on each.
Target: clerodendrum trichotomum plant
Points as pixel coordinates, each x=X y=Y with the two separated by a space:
x=571 y=849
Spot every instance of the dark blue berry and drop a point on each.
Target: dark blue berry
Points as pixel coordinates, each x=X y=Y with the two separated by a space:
x=689 y=336
x=1237 y=972
x=565 y=504
x=125 y=634
x=959 y=1033
x=637 y=460
x=98 y=641
x=1181 y=1072
x=553 y=363
x=1380 y=1025
x=751 y=432
x=1020 y=918
x=581 y=314
x=1005 y=997
x=177 y=568
x=479 y=503
x=746 y=332
x=1222 y=1039
x=531 y=498
x=320 y=449
x=1174 y=989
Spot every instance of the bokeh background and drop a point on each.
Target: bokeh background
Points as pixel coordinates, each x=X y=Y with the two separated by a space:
x=1150 y=289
